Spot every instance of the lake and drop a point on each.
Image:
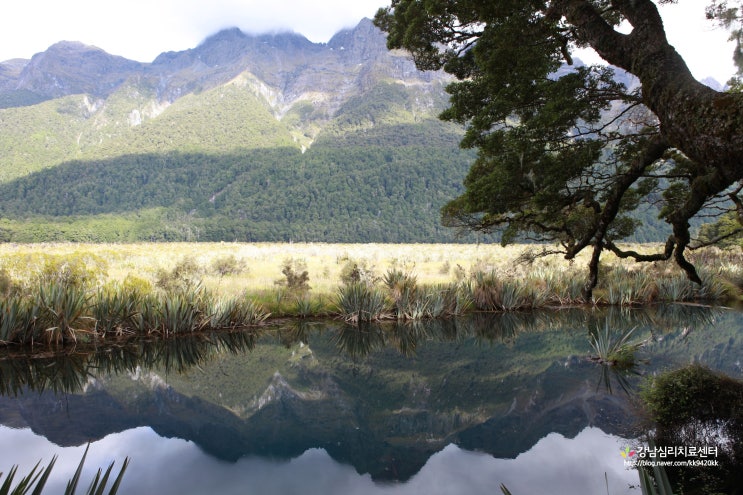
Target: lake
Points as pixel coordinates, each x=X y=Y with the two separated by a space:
x=455 y=406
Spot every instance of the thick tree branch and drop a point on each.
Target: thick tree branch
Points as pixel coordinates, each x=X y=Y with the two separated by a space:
x=652 y=152
x=592 y=29
x=665 y=255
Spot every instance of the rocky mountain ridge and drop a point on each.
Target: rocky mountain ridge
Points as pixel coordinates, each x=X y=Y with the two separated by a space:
x=211 y=144
x=287 y=65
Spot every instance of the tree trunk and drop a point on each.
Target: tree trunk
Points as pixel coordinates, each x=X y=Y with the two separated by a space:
x=706 y=125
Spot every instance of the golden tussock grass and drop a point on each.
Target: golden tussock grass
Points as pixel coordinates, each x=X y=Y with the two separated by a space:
x=262 y=262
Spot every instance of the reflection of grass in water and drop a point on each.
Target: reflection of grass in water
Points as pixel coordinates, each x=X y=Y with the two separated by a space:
x=620 y=375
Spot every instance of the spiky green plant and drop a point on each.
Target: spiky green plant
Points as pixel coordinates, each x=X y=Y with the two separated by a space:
x=485 y=290
x=360 y=302
x=63 y=313
x=442 y=300
x=114 y=310
x=492 y=293
x=712 y=289
x=399 y=282
x=181 y=313
x=655 y=484
x=36 y=480
x=674 y=288
x=563 y=287
x=305 y=307
x=146 y=319
x=614 y=349
x=513 y=295
x=237 y=312
x=408 y=303
x=18 y=316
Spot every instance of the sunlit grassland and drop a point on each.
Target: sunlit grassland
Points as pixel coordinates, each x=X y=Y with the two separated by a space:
x=262 y=262
x=257 y=267
x=58 y=293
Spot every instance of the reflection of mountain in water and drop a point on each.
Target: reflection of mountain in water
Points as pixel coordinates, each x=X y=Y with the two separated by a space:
x=496 y=385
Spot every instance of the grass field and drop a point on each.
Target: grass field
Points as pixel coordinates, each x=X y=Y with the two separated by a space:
x=59 y=293
x=262 y=262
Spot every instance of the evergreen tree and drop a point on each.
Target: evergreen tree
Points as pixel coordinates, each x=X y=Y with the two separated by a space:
x=564 y=155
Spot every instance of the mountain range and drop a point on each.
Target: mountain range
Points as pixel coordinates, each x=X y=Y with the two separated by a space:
x=243 y=138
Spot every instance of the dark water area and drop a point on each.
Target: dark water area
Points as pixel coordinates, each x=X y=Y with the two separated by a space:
x=458 y=406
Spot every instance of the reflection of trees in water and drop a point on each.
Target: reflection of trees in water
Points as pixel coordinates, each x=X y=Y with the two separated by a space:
x=56 y=373
x=69 y=371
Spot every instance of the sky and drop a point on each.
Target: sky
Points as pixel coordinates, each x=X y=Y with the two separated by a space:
x=142 y=29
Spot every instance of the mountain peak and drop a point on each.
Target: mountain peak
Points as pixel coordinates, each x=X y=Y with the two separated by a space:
x=364 y=30
x=285 y=61
x=225 y=35
x=70 y=46
x=70 y=67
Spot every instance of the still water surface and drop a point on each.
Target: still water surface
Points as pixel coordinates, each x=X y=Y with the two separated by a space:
x=446 y=407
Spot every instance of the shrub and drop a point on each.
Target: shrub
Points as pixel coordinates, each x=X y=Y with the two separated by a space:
x=696 y=406
x=184 y=276
x=228 y=265
x=296 y=276
x=74 y=270
x=354 y=272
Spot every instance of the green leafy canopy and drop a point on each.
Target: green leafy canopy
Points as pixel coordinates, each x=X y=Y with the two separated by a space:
x=566 y=151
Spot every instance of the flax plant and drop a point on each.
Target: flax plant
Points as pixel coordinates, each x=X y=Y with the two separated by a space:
x=115 y=310
x=305 y=306
x=234 y=313
x=359 y=302
x=614 y=349
x=148 y=318
x=493 y=293
x=64 y=311
x=18 y=316
x=181 y=313
x=36 y=480
x=675 y=288
x=407 y=303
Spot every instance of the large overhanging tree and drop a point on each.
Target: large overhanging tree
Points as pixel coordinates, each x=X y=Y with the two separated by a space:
x=565 y=155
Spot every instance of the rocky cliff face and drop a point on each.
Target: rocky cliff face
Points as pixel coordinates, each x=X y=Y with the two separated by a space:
x=71 y=68
x=289 y=65
x=310 y=82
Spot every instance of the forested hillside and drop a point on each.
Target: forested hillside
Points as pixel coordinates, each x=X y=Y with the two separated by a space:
x=248 y=138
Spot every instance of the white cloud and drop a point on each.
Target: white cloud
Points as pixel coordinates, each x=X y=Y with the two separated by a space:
x=142 y=29
x=705 y=48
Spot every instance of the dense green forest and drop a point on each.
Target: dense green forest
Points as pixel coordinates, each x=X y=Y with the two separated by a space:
x=359 y=193
x=359 y=156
